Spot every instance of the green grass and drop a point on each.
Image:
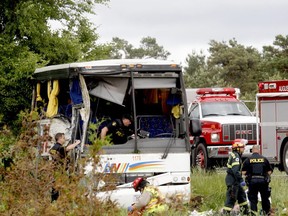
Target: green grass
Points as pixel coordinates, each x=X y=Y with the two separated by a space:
x=211 y=186
x=32 y=191
x=279 y=185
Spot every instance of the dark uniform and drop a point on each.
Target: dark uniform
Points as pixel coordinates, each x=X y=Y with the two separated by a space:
x=60 y=161
x=257 y=168
x=118 y=132
x=59 y=155
x=235 y=191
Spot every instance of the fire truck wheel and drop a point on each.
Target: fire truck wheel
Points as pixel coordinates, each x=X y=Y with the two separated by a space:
x=285 y=158
x=201 y=157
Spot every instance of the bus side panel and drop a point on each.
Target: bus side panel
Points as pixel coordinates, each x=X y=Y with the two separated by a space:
x=173 y=180
x=141 y=163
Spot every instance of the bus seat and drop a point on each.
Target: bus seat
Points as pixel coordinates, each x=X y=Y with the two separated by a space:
x=155 y=124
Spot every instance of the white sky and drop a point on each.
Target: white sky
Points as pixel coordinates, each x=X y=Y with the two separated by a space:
x=184 y=26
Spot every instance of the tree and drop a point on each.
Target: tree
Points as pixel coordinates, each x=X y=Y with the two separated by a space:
x=275 y=59
x=17 y=64
x=236 y=64
x=28 y=41
x=148 y=48
x=120 y=48
x=227 y=65
x=197 y=73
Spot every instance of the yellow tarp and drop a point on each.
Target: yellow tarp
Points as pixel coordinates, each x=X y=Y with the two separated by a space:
x=52 y=91
x=39 y=98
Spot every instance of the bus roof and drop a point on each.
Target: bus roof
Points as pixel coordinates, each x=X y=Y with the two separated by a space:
x=104 y=67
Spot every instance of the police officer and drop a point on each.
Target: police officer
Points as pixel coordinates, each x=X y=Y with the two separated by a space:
x=258 y=170
x=150 y=201
x=59 y=155
x=118 y=129
x=234 y=180
x=58 y=151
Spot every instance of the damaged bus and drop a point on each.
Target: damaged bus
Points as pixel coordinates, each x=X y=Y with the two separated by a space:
x=151 y=91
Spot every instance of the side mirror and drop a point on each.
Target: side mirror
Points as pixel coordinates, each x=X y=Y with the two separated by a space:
x=195 y=128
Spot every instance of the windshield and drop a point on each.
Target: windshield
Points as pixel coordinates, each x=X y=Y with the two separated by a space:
x=224 y=109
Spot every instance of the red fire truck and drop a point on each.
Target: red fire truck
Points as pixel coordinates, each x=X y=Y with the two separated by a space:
x=272 y=107
x=223 y=118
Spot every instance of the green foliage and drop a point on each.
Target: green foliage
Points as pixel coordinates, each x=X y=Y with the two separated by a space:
x=26 y=184
x=148 y=48
x=234 y=65
x=6 y=139
x=238 y=65
x=118 y=46
x=94 y=132
x=6 y=142
x=275 y=59
x=197 y=73
x=27 y=41
x=249 y=99
x=227 y=65
x=16 y=67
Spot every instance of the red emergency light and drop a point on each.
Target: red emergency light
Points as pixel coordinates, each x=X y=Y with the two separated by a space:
x=213 y=91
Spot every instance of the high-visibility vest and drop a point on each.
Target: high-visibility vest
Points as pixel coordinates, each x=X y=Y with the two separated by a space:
x=156 y=203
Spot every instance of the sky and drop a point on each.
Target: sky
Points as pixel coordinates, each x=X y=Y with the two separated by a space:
x=184 y=26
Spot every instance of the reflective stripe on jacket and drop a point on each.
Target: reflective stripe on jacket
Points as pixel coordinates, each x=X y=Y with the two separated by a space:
x=234 y=169
x=156 y=203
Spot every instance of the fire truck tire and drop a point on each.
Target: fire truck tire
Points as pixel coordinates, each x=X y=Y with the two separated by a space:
x=285 y=158
x=201 y=157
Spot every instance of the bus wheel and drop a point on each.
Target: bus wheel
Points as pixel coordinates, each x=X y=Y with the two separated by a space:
x=201 y=157
x=285 y=158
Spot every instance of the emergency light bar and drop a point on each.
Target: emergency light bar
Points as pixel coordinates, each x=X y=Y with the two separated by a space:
x=213 y=91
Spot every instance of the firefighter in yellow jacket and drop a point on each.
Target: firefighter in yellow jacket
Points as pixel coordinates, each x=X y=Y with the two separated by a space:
x=150 y=201
x=234 y=180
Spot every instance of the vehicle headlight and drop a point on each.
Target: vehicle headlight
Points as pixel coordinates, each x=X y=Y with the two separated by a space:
x=214 y=137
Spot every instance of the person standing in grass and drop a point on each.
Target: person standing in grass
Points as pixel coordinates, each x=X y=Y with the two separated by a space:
x=60 y=158
x=257 y=170
x=234 y=180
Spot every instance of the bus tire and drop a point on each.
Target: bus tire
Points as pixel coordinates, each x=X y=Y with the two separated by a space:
x=285 y=158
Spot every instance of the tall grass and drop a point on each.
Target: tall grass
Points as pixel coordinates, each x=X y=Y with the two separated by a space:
x=279 y=185
x=25 y=186
x=211 y=186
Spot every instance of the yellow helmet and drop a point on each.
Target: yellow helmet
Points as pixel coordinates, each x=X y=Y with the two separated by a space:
x=239 y=143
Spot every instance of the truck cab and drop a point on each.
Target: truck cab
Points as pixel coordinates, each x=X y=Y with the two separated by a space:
x=223 y=118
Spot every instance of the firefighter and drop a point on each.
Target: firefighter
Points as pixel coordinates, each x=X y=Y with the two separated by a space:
x=150 y=201
x=234 y=180
x=257 y=170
